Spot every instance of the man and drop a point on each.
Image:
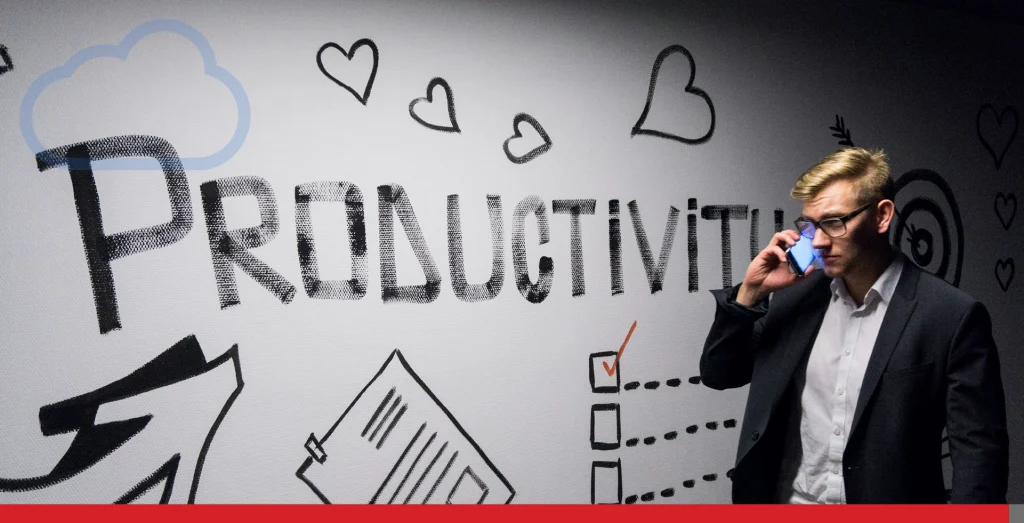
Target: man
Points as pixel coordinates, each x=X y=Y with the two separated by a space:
x=855 y=369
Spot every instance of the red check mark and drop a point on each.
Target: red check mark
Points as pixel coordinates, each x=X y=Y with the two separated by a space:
x=611 y=370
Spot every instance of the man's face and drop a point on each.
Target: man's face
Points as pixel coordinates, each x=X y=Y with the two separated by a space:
x=839 y=255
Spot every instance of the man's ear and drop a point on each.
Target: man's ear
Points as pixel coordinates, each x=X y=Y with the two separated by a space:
x=886 y=210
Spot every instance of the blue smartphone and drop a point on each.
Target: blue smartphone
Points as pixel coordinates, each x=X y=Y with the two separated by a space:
x=801 y=256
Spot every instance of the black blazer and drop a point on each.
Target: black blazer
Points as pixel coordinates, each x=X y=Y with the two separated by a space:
x=934 y=365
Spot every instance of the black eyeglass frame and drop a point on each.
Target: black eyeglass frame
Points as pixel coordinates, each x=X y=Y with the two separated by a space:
x=817 y=225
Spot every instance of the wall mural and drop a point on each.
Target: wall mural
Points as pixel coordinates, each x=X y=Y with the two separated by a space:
x=395 y=441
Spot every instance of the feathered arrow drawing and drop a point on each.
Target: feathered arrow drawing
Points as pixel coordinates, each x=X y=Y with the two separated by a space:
x=123 y=451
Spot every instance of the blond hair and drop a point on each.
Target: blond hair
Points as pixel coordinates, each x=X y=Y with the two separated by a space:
x=868 y=169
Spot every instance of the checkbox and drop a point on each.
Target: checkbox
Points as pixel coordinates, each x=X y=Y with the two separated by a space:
x=605 y=426
x=606 y=482
x=600 y=381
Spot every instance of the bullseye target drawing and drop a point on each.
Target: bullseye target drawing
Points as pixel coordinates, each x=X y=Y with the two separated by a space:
x=928 y=228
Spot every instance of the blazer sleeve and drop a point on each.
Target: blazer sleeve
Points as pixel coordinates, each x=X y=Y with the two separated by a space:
x=728 y=358
x=976 y=413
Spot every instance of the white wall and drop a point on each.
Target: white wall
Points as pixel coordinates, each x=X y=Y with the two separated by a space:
x=510 y=372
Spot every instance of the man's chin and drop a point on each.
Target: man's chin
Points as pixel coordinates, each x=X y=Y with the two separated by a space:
x=832 y=270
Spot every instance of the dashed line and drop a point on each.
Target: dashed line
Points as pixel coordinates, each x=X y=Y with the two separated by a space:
x=670 y=492
x=652 y=385
x=692 y=429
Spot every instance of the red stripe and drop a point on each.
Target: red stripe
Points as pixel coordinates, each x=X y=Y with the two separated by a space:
x=510 y=513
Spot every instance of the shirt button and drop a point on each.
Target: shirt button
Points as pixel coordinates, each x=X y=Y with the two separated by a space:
x=847 y=352
x=835 y=469
x=837 y=431
x=841 y=391
x=755 y=435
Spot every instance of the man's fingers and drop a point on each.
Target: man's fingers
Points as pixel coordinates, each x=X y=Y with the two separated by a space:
x=781 y=254
x=786 y=238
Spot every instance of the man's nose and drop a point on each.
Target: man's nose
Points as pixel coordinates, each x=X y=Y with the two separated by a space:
x=820 y=240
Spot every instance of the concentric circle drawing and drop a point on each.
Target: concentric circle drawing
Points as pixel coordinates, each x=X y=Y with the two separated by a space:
x=928 y=227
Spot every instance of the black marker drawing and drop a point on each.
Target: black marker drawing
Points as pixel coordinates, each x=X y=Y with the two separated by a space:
x=8 y=65
x=997 y=139
x=451 y=126
x=638 y=127
x=355 y=287
x=928 y=226
x=1006 y=208
x=229 y=247
x=725 y=213
x=839 y=130
x=536 y=151
x=670 y=492
x=1004 y=273
x=393 y=197
x=605 y=420
x=606 y=482
x=533 y=292
x=672 y=435
x=111 y=440
x=755 y=234
x=691 y=245
x=615 y=247
x=655 y=273
x=100 y=248
x=408 y=446
x=477 y=291
x=365 y=96
x=574 y=208
x=653 y=385
x=600 y=381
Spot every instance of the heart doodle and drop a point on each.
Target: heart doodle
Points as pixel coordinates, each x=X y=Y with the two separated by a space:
x=453 y=125
x=373 y=72
x=1004 y=273
x=638 y=127
x=1004 y=203
x=6 y=57
x=536 y=151
x=1003 y=138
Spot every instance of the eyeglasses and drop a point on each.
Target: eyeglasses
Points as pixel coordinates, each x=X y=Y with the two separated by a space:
x=834 y=227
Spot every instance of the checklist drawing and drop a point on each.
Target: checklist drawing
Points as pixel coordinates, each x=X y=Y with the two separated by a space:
x=397 y=444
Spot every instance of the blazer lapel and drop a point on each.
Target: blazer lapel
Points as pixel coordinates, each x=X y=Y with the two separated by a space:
x=901 y=307
x=801 y=338
x=805 y=310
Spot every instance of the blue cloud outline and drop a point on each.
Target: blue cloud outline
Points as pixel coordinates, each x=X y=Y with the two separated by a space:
x=120 y=51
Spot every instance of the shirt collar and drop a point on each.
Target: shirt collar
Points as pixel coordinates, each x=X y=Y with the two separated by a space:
x=883 y=288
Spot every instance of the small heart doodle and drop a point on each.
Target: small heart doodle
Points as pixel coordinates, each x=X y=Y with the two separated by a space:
x=536 y=151
x=1006 y=209
x=1000 y=137
x=452 y=125
x=6 y=57
x=638 y=128
x=1004 y=273
x=349 y=54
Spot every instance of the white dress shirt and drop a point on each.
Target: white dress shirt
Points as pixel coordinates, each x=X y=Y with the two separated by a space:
x=829 y=390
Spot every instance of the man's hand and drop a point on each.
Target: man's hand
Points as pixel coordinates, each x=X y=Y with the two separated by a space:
x=769 y=270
